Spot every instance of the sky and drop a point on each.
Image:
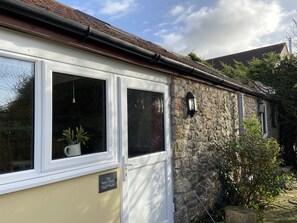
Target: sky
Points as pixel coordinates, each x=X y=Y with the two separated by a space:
x=209 y=28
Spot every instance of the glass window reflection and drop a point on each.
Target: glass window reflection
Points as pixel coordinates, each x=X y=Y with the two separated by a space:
x=145 y=122
x=78 y=101
x=16 y=115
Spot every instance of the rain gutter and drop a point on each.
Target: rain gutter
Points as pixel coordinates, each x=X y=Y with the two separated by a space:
x=85 y=32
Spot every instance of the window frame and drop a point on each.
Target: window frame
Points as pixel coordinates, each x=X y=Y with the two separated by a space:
x=145 y=85
x=27 y=174
x=45 y=170
x=84 y=160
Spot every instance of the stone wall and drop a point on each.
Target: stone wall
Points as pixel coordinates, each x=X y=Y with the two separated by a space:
x=193 y=140
x=250 y=106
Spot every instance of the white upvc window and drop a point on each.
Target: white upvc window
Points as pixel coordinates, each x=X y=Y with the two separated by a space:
x=39 y=102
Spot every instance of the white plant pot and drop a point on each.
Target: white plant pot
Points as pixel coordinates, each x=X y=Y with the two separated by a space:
x=72 y=150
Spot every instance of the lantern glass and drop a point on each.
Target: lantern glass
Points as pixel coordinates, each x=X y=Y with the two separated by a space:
x=192 y=104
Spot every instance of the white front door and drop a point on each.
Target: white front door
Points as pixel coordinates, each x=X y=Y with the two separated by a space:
x=146 y=162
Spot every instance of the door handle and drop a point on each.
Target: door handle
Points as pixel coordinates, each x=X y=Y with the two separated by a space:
x=125 y=166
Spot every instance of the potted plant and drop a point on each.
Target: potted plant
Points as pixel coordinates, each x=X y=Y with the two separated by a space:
x=74 y=137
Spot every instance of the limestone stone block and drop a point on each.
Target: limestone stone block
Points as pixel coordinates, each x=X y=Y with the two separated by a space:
x=236 y=214
x=182 y=186
x=181 y=215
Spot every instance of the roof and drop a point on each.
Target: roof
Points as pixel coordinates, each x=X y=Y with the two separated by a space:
x=59 y=16
x=246 y=56
x=97 y=24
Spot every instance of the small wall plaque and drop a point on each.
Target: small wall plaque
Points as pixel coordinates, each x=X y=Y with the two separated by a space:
x=107 y=182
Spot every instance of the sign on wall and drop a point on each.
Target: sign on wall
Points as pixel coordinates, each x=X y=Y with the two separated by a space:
x=107 y=182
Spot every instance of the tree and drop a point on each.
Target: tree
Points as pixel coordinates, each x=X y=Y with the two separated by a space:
x=238 y=72
x=279 y=76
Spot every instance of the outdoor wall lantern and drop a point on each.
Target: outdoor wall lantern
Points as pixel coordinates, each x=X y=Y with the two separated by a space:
x=261 y=107
x=191 y=103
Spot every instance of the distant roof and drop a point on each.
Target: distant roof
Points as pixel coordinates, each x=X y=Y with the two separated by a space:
x=246 y=56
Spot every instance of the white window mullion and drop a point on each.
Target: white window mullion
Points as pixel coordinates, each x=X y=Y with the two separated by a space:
x=46 y=116
x=38 y=117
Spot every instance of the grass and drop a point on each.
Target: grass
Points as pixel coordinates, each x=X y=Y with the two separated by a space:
x=284 y=208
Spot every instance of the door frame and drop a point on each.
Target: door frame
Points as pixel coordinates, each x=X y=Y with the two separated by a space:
x=123 y=84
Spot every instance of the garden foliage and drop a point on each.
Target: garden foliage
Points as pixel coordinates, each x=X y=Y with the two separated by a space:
x=249 y=168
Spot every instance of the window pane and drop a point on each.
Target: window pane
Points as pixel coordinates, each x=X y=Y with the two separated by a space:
x=145 y=122
x=16 y=115
x=78 y=101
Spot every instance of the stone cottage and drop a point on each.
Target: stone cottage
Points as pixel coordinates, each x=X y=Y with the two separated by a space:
x=145 y=159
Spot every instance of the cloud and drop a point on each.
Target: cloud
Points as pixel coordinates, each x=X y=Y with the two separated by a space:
x=162 y=24
x=227 y=27
x=176 y=10
x=117 y=8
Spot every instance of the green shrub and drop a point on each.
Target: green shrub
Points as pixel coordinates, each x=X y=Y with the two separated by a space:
x=249 y=168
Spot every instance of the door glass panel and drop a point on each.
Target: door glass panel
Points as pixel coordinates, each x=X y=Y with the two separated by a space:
x=78 y=101
x=145 y=122
x=16 y=115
